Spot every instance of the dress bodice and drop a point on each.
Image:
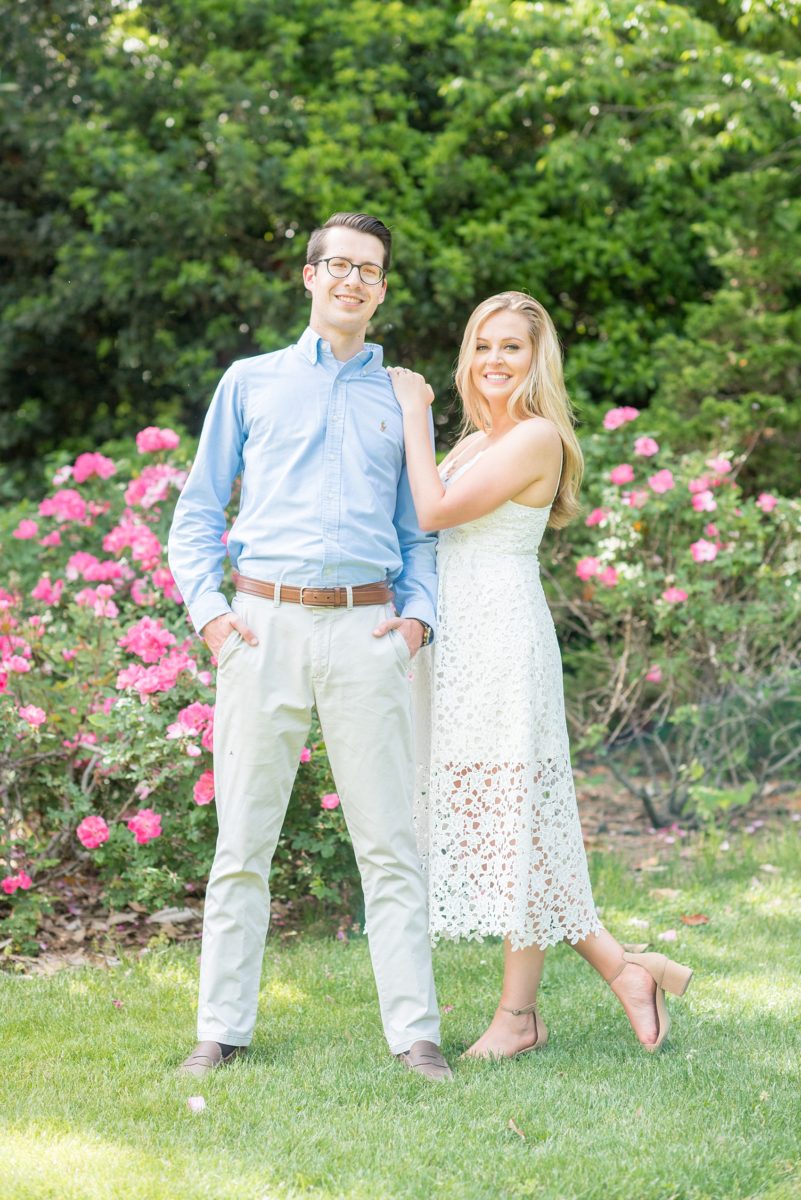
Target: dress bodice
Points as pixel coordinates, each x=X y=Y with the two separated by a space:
x=509 y=529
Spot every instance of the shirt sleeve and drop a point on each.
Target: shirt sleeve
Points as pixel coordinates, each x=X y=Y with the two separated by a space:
x=416 y=586
x=195 y=549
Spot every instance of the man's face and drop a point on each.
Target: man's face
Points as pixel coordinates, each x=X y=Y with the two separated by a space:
x=345 y=306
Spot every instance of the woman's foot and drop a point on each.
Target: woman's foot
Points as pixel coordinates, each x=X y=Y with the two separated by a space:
x=509 y=1034
x=635 y=988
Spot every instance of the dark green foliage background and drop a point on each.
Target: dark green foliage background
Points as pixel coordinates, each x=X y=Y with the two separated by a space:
x=634 y=166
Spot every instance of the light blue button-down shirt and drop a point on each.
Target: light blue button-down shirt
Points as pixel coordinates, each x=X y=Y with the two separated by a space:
x=325 y=493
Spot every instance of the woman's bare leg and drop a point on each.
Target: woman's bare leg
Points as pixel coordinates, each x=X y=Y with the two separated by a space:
x=507 y=1034
x=634 y=987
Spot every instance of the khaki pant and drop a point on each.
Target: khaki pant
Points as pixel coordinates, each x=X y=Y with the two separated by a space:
x=265 y=694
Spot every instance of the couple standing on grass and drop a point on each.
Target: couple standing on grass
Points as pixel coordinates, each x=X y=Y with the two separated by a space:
x=340 y=580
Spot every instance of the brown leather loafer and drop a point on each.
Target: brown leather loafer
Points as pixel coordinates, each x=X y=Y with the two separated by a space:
x=205 y=1057
x=426 y=1058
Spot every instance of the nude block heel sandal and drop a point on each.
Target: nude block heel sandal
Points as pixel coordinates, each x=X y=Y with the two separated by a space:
x=668 y=976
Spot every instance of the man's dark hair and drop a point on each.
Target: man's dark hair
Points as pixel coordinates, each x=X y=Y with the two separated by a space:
x=361 y=222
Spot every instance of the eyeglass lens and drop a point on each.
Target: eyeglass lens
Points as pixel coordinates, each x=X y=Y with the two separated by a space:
x=368 y=272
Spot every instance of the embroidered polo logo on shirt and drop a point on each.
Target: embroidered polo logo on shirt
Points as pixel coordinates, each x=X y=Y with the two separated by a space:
x=383 y=427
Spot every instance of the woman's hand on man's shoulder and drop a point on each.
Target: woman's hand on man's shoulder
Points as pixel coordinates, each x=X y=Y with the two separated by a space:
x=410 y=387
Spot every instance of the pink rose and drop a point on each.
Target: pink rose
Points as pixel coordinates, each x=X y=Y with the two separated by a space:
x=98 y=600
x=153 y=485
x=145 y=825
x=92 y=832
x=51 y=539
x=330 y=800
x=203 y=791
x=148 y=639
x=87 y=465
x=597 y=516
x=636 y=498
x=616 y=417
x=661 y=482
x=33 y=715
x=66 y=505
x=49 y=593
x=24 y=880
x=701 y=484
x=163 y=580
x=145 y=546
x=654 y=674
x=192 y=720
x=608 y=577
x=719 y=464
x=674 y=595
x=646 y=447
x=9 y=884
x=711 y=530
x=587 y=567
x=703 y=551
x=161 y=677
x=26 y=530
x=152 y=439
x=305 y=755
x=622 y=474
x=766 y=502
x=704 y=502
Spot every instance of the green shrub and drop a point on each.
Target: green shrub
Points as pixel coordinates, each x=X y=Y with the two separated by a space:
x=680 y=605
x=106 y=706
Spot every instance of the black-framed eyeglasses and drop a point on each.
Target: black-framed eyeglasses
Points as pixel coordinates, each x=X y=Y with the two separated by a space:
x=340 y=268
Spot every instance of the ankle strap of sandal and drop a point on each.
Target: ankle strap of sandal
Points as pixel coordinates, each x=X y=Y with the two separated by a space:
x=519 y=1012
x=617 y=970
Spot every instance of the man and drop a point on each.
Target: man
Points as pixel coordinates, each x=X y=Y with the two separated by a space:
x=326 y=523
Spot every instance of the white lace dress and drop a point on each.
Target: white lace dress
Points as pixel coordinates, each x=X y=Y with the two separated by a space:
x=495 y=808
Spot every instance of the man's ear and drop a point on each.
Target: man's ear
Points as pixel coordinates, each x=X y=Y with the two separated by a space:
x=383 y=291
x=308 y=275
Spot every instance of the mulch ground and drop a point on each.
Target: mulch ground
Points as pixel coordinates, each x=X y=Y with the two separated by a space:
x=81 y=931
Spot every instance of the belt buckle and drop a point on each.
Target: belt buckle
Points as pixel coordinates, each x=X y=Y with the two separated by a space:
x=306 y=588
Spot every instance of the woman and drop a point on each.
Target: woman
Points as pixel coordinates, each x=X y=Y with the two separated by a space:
x=505 y=853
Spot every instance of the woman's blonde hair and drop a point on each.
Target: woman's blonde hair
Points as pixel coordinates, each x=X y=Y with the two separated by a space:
x=541 y=394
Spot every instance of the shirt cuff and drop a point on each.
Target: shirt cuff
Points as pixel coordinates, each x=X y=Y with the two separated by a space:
x=206 y=608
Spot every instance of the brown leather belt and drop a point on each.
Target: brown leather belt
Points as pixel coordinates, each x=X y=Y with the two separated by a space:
x=316 y=597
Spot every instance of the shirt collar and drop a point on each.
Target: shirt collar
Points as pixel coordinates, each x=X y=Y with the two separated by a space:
x=311 y=344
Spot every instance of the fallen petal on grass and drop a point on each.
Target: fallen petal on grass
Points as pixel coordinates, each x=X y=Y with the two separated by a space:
x=668 y=935
x=195 y=1104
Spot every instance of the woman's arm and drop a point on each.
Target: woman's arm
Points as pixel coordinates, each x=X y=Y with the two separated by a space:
x=530 y=451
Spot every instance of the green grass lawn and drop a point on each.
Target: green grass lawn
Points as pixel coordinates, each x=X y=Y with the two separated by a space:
x=90 y=1107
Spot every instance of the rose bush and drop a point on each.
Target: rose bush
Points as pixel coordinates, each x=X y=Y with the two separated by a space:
x=679 y=607
x=676 y=599
x=107 y=705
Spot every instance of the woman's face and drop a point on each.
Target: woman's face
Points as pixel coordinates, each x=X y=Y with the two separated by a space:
x=502 y=355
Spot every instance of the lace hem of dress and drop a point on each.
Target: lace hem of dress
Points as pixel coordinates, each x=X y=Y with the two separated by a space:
x=505 y=856
x=518 y=940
